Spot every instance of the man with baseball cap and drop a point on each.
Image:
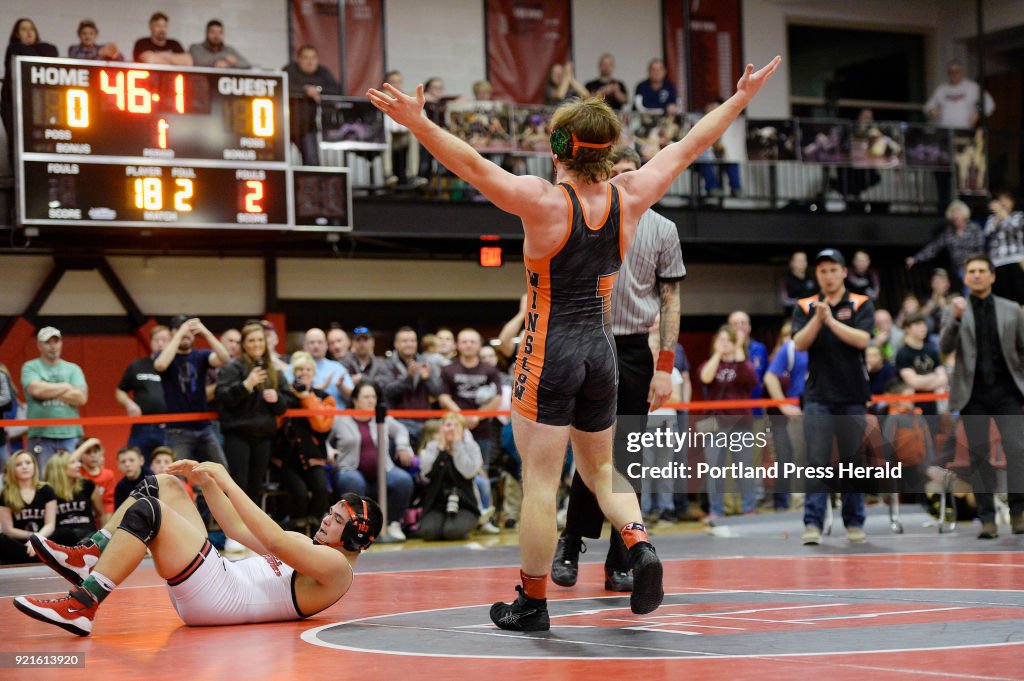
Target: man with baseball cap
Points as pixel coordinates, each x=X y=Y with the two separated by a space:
x=833 y=327
x=361 y=362
x=54 y=389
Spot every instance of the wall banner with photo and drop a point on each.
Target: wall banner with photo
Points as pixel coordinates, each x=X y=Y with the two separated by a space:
x=771 y=140
x=715 y=50
x=364 y=46
x=524 y=38
x=351 y=124
x=485 y=126
x=926 y=146
x=970 y=153
x=876 y=145
x=823 y=141
x=317 y=23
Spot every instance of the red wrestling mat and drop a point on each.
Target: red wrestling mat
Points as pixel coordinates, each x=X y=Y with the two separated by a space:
x=857 y=617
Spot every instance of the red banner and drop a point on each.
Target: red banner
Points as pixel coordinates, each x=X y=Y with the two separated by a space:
x=676 y=63
x=317 y=23
x=364 y=45
x=714 y=64
x=524 y=38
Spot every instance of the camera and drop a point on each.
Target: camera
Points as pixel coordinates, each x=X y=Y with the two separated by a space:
x=299 y=387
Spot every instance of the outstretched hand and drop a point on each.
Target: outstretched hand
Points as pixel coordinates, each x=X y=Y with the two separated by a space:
x=750 y=83
x=198 y=473
x=182 y=467
x=402 y=108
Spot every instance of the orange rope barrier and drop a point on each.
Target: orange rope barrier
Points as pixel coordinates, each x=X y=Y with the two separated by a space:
x=702 y=405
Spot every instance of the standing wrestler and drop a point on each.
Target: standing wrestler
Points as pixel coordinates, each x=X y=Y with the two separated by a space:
x=293 y=578
x=566 y=382
x=648 y=284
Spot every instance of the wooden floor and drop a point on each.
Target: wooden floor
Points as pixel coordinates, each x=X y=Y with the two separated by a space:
x=748 y=602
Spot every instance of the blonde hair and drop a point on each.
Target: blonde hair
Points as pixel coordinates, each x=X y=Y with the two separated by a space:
x=430 y=431
x=12 y=494
x=56 y=475
x=454 y=416
x=958 y=206
x=591 y=120
x=302 y=358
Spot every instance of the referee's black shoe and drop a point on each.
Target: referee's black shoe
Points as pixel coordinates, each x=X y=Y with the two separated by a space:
x=522 y=614
x=565 y=567
x=648 y=591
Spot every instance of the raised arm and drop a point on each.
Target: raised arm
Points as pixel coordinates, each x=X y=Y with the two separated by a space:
x=323 y=564
x=647 y=185
x=526 y=196
x=512 y=327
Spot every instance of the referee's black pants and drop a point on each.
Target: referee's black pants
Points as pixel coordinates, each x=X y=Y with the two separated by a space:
x=636 y=369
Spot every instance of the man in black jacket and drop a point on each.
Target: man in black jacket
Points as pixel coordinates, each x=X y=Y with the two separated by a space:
x=307 y=80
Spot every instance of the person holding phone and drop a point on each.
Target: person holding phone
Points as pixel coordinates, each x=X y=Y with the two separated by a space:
x=249 y=400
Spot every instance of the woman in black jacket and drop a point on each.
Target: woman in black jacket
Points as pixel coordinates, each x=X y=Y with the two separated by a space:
x=24 y=42
x=249 y=399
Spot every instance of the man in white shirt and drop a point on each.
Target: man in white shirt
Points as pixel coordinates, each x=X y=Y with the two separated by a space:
x=955 y=104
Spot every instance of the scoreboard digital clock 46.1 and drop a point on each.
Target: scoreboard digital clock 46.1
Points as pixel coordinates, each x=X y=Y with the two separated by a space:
x=139 y=145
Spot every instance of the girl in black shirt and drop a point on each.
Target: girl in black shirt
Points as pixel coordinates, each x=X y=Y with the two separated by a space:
x=79 y=501
x=27 y=506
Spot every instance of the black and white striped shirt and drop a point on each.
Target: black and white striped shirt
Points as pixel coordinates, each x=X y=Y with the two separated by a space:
x=1005 y=239
x=654 y=256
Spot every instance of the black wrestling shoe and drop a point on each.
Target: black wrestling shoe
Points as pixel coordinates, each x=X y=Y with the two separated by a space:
x=617 y=576
x=618 y=580
x=647 y=574
x=522 y=614
x=565 y=567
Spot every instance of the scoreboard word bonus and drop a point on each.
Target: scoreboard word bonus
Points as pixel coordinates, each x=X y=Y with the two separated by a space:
x=133 y=145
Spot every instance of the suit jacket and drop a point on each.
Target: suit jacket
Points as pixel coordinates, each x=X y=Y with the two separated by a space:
x=959 y=335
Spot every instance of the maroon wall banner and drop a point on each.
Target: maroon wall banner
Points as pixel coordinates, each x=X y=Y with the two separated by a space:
x=524 y=38
x=675 y=48
x=364 y=45
x=714 y=64
x=317 y=23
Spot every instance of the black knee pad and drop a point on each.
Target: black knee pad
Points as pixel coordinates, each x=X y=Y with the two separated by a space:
x=142 y=519
x=149 y=486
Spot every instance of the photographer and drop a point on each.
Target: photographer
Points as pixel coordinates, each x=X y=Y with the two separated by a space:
x=301 y=453
x=249 y=400
x=448 y=464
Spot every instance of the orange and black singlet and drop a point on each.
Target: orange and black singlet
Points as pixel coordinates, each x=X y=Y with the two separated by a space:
x=566 y=370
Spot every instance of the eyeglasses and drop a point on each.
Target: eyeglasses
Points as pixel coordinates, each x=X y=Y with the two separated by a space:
x=361 y=331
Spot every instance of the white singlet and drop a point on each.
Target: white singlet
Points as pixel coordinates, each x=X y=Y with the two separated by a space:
x=215 y=591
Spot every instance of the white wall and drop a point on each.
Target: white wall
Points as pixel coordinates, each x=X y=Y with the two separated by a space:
x=165 y=286
x=159 y=286
x=631 y=31
x=257 y=28
x=444 y=39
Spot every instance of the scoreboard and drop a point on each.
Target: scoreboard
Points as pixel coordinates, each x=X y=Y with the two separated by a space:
x=111 y=144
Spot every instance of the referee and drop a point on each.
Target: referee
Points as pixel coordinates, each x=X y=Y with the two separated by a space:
x=648 y=284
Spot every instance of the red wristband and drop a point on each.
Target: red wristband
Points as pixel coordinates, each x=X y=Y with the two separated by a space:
x=666 y=360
